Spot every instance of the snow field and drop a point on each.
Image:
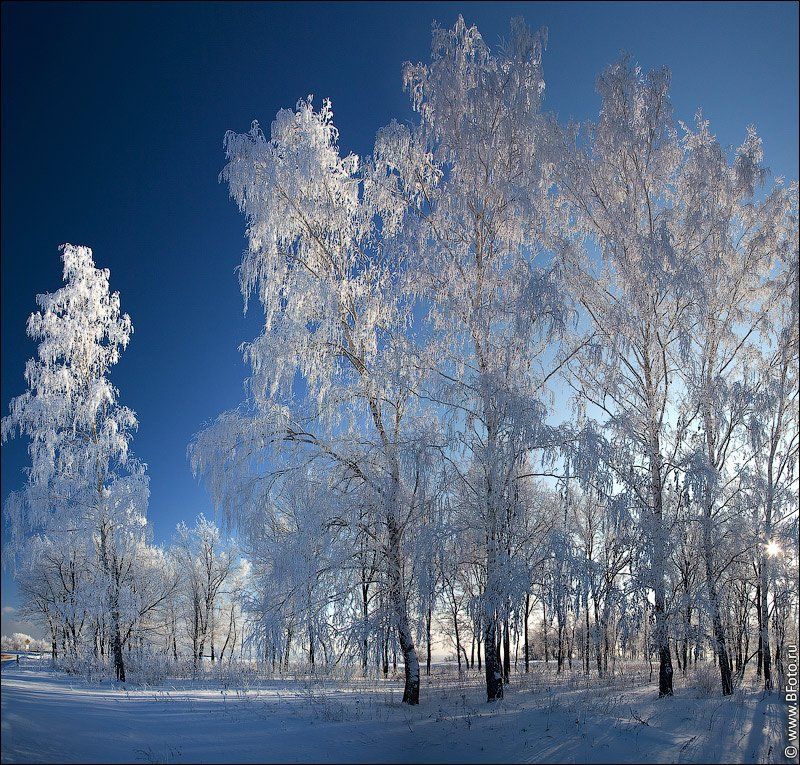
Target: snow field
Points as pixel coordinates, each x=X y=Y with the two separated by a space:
x=48 y=716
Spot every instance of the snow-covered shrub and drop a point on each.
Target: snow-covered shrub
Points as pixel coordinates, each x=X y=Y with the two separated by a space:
x=84 y=664
x=706 y=681
x=149 y=668
x=236 y=674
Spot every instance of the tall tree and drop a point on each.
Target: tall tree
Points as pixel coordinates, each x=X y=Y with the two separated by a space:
x=472 y=175
x=333 y=318
x=204 y=566
x=735 y=242
x=774 y=424
x=82 y=483
x=616 y=181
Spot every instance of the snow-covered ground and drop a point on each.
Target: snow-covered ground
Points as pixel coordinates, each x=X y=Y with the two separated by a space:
x=51 y=717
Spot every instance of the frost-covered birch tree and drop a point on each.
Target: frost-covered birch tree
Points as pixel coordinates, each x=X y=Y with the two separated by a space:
x=617 y=181
x=303 y=559
x=84 y=488
x=472 y=178
x=204 y=566
x=738 y=245
x=774 y=425
x=331 y=376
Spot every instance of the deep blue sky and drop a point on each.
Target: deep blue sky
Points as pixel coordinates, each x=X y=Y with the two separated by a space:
x=112 y=124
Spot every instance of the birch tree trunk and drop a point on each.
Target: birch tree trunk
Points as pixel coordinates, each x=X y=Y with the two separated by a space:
x=119 y=662
x=766 y=655
x=527 y=647
x=659 y=575
x=110 y=569
x=494 y=673
x=397 y=594
x=599 y=629
x=428 y=641
x=713 y=600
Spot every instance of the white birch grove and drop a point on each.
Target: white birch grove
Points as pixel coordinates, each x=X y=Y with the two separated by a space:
x=525 y=397
x=204 y=566
x=333 y=318
x=773 y=421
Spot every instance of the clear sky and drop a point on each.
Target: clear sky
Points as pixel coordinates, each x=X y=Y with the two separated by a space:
x=112 y=123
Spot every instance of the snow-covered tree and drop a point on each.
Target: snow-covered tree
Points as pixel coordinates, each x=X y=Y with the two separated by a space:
x=617 y=182
x=774 y=426
x=84 y=489
x=204 y=566
x=334 y=319
x=469 y=183
x=20 y=641
x=300 y=551
x=735 y=243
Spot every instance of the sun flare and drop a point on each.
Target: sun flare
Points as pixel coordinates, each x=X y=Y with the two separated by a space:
x=773 y=549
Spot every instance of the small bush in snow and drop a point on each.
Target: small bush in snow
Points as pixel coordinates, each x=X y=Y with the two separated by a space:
x=706 y=681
